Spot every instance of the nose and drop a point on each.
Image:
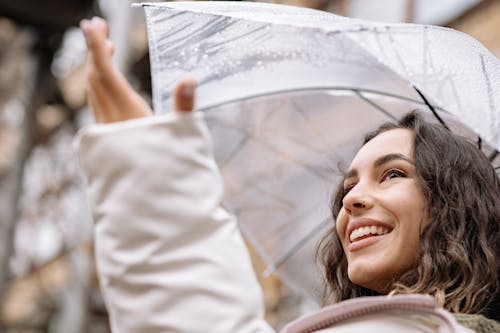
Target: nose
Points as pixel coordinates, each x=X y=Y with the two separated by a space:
x=356 y=201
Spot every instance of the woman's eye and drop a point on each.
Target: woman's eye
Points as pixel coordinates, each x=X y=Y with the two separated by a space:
x=393 y=174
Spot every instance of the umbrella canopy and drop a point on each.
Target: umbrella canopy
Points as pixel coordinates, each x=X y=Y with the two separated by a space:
x=290 y=92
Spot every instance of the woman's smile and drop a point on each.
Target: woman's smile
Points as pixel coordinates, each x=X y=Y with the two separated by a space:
x=364 y=232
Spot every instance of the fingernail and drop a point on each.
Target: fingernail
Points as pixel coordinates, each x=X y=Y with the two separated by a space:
x=188 y=90
x=96 y=20
x=84 y=25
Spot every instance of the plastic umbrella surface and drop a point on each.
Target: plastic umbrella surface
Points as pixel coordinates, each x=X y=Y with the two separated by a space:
x=289 y=94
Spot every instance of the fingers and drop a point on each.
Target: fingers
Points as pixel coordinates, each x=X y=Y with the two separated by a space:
x=102 y=107
x=110 y=95
x=184 y=95
x=100 y=48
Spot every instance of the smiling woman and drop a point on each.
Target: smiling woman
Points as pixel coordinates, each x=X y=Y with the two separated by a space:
x=417 y=213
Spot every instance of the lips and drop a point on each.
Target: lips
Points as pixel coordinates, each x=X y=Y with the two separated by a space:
x=364 y=228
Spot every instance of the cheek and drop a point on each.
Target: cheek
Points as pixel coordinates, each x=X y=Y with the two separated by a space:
x=341 y=224
x=419 y=207
x=413 y=218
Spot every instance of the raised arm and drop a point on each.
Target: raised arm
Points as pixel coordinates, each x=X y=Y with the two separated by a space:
x=170 y=259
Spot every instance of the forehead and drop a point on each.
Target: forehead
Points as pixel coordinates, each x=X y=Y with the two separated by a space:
x=395 y=141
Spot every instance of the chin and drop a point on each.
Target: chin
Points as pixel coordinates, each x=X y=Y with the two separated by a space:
x=376 y=280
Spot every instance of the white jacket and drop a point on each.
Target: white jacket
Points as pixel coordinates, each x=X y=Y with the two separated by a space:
x=170 y=259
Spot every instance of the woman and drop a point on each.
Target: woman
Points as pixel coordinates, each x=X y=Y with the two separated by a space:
x=449 y=247
x=171 y=259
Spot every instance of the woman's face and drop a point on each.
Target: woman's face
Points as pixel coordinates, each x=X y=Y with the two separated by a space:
x=383 y=211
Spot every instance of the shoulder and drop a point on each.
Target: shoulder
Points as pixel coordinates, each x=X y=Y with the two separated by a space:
x=477 y=322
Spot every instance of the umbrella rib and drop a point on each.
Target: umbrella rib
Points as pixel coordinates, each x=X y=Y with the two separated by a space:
x=300 y=243
x=259 y=208
x=234 y=152
x=283 y=232
x=276 y=197
x=375 y=105
x=250 y=134
x=490 y=96
x=433 y=110
x=302 y=144
x=488 y=84
x=276 y=150
x=493 y=156
x=396 y=52
x=319 y=88
x=307 y=120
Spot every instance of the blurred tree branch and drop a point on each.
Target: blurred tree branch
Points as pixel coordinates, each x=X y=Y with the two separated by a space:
x=37 y=90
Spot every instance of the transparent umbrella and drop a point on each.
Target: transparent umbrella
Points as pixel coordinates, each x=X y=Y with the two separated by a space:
x=289 y=93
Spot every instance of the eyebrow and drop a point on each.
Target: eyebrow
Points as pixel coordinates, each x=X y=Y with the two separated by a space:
x=353 y=173
x=391 y=157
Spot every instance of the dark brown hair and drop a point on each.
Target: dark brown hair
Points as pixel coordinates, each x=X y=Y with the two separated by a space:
x=459 y=249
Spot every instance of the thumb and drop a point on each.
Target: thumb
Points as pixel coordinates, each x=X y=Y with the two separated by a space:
x=184 y=95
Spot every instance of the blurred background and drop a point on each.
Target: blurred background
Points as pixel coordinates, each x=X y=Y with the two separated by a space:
x=48 y=281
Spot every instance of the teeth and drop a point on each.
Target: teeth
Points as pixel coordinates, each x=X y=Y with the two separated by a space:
x=363 y=231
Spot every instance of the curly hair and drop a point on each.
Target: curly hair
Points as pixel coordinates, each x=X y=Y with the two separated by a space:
x=459 y=249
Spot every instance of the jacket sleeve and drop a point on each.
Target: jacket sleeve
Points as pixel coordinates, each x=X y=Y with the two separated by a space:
x=170 y=259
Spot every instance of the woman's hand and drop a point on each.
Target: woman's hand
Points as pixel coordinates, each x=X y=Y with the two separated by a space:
x=110 y=96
